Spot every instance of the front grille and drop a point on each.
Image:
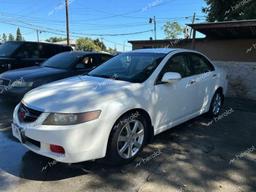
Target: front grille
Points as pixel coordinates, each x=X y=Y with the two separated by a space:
x=27 y=115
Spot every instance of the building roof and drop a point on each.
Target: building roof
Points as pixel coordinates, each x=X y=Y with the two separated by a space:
x=159 y=40
x=227 y=29
x=157 y=50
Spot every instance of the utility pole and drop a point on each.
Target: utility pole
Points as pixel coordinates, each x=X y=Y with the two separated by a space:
x=67 y=22
x=124 y=46
x=193 y=21
x=37 y=35
x=155 y=26
x=194 y=33
x=153 y=20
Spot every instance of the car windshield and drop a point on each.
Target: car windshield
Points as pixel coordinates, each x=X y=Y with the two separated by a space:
x=131 y=67
x=61 y=61
x=8 y=48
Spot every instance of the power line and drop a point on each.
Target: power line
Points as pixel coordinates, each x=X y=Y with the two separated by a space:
x=57 y=31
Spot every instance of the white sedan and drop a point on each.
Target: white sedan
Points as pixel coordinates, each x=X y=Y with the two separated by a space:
x=118 y=107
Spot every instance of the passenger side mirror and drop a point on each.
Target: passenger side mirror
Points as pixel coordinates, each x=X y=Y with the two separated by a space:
x=171 y=77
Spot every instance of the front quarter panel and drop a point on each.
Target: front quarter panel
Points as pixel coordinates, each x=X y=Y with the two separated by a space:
x=112 y=111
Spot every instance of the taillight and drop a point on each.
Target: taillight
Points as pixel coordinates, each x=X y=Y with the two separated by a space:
x=57 y=149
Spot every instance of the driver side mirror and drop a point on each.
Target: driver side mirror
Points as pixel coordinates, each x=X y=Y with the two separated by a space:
x=171 y=77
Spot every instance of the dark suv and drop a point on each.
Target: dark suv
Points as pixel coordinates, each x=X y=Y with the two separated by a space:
x=19 y=54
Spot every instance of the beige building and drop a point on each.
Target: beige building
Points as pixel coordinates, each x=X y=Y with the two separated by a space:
x=231 y=45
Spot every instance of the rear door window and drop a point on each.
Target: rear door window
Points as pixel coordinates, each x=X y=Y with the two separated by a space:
x=200 y=64
x=29 y=50
x=51 y=50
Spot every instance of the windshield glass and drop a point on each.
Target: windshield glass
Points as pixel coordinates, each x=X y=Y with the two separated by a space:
x=8 y=48
x=61 y=61
x=132 y=67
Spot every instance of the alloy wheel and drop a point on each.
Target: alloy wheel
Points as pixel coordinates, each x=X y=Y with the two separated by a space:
x=130 y=139
x=217 y=103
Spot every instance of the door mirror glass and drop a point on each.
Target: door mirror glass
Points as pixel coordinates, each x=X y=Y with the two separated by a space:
x=171 y=77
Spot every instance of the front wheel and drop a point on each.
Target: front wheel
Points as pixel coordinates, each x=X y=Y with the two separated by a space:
x=127 y=139
x=216 y=104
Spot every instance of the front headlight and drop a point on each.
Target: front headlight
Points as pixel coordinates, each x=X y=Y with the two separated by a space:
x=71 y=118
x=18 y=83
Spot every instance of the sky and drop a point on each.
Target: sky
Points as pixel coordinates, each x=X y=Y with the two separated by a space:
x=110 y=20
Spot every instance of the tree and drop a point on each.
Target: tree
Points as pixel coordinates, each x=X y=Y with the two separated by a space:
x=18 y=35
x=100 y=44
x=230 y=10
x=87 y=44
x=10 y=37
x=112 y=51
x=55 y=39
x=172 y=30
x=4 y=37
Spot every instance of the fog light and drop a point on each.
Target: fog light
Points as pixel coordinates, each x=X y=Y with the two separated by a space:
x=57 y=149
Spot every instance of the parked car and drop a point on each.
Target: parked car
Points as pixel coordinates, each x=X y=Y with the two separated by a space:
x=15 y=83
x=19 y=54
x=95 y=116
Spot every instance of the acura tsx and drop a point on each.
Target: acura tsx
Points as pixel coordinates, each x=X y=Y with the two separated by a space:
x=118 y=107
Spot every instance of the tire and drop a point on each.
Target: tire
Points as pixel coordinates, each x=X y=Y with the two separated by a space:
x=216 y=104
x=127 y=139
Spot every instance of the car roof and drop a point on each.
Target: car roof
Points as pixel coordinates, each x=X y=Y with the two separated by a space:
x=81 y=53
x=160 y=50
x=34 y=42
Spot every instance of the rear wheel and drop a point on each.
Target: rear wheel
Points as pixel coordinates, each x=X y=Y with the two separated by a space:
x=216 y=104
x=127 y=139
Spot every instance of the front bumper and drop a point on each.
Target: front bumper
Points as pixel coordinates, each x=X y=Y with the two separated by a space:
x=81 y=142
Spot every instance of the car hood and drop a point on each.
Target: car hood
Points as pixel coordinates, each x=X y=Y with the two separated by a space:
x=77 y=94
x=30 y=73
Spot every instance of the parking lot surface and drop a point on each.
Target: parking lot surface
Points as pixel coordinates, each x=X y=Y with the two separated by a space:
x=200 y=155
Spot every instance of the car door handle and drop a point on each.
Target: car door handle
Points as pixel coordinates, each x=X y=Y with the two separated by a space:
x=214 y=75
